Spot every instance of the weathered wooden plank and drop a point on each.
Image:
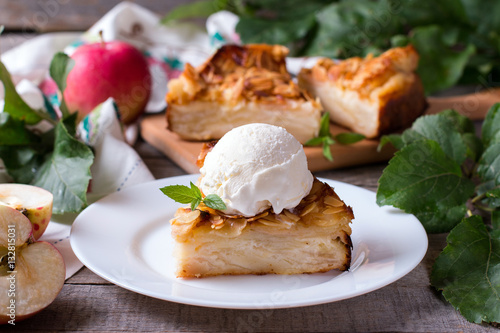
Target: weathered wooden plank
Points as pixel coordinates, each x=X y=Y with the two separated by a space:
x=66 y=15
x=407 y=305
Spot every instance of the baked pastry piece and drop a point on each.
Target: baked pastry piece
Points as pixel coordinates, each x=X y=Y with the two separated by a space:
x=240 y=85
x=370 y=96
x=312 y=237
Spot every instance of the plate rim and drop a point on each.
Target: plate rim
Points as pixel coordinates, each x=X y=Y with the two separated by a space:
x=241 y=305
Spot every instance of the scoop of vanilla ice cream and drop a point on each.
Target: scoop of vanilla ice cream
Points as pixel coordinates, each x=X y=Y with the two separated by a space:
x=254 y=167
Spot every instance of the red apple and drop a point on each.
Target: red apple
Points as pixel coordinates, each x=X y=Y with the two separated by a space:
x=34 y=202
x=31 y=273
x=108 y=69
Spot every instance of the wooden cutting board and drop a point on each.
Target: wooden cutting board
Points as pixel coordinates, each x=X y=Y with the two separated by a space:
x=185 y=153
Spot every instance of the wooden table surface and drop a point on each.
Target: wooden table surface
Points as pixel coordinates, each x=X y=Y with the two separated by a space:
x=89 y=303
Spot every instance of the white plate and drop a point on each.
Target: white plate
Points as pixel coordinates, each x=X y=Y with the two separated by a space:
x=125 y=238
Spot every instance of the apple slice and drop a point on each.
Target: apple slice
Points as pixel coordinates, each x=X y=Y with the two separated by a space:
x=31 y=274
x=32 y=201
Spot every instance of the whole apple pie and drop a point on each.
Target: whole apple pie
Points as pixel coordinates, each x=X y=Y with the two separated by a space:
x=279 y=218
x=240 y=85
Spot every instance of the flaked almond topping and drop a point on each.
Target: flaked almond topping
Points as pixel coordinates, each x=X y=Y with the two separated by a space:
x=188 y=218
x=333 y=210
x=309 y=209
x=331 y=201
x=291 y=216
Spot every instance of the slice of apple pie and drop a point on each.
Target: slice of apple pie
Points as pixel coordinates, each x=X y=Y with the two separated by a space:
x=240 y=85
x=371 y=96
x=312 y=237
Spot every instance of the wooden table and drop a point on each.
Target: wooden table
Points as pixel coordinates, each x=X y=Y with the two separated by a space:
x=89 y=303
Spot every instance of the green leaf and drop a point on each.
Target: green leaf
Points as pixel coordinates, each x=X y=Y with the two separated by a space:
x=495 y=219
x=197 y=9
x=180 y=193
x=327 y=152
x=489 y=164
x=353 y=28
x=22 y=163
x=324 y=125
x=14 y=104
x=66 y=172
x=395 y=139
x=421 y=178
x=60 y=66
x=192 y=195
x=13 y=132
x=441 y=65
x=494 y=193
x=491 y=125
x=273 y=31
x=195 y=203
x=348 y=138
x=314 y=141
x=441 y=129
x=443 y=219
x=468 y=271
x=214 y=201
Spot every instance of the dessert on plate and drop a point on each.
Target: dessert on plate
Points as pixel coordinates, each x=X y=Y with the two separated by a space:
x=240 y=85
x=279 y=219
x=370 y=96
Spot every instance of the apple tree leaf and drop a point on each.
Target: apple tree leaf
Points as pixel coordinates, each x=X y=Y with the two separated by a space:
x=66 y=172
x=441 y=63
x=421 y=178
x=491 y=125
x=468 y=271
x=442 y=129
x=14 y=104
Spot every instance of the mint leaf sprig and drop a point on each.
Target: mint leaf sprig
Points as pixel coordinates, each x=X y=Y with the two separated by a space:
x=192 y=195
x=326 y=139
x=444 y=173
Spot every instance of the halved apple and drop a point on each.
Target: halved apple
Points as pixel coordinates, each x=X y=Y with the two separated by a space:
x=32 y=201
x=31 y=273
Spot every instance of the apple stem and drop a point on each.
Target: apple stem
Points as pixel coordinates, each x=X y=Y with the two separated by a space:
x=101 y=37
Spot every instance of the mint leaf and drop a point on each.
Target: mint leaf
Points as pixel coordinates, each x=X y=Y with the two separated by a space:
x=314 y=141
x=348 y=138
x=214 y=201
x=467 y=271
x=192 y=195
x=181 y=193
x=324 y=125
x=14 y=104
x=327 y=152
x=421 y=178
x=66 y=172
